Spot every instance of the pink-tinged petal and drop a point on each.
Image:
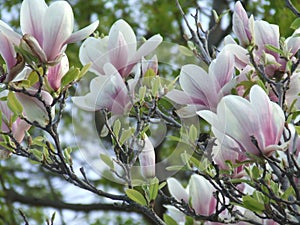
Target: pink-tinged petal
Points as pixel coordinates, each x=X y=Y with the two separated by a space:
x=90 y=100
x=33 y=108
x=149 y=46
x=83 y=33
x=221 y=154
x=150 y=64
x=241 y=55
x=31 y=18
x=19 y=128
x=116 y=91
x=201 y=195
x=58 y=27
x=128 y=34
x=119 y=54
x=10 y=33
x=293 y=42
x=292 y=94
x=7 y=51
x=55 y=73
x=94 y=50
x=198 y=85
x=179 y=97
x=266 y=33
x=176 y=190
x=239 y=121
x=229 y=40
x=241 y=26
x=189 y=110
x=234 y=118
x=270 y=116
x=107 y=92
x=222 y=68
x=147 y=159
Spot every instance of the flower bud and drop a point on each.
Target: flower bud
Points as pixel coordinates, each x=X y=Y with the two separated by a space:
x=150 y=64
x=147 y=159
x=31 y=45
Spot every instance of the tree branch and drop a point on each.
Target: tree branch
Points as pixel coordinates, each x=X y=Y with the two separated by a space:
x=290 y=5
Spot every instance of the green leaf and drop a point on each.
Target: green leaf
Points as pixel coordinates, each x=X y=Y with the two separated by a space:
x=84 y=70
x=148 y=77
x=185 y=51
x=33 y=78
x=37 y=153
x=174 y=168
x=253 y=204
x=274 y=49
x=155 y=86
x=107 y=160
x=189 y=220
x=14 y=104
x=126 y=134
x=288 y=192
x=117 y=127
x=193 y=134
x=70 y=76
x=153 y=189
x=297 y=128
x=169 y=220
x=161 y=185
x=255 y=172
x=136 y=196
x=142 y=93
x=295 y=24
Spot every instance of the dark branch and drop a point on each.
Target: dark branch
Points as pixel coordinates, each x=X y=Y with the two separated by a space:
x=290 y=5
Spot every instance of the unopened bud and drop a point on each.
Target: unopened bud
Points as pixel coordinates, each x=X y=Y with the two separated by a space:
x=147 y=159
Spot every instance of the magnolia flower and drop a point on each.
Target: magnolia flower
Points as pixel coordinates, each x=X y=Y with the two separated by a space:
x=254 y=126
x=118 y=48
x=241 y=25
x=261 y=34
x=18 y=128
x=51 y=26
x=44 y=34
x=106 y=92
x=55 y=73
x=147 y=159
x=199 y=194
x=9 y=39
x=201 y=90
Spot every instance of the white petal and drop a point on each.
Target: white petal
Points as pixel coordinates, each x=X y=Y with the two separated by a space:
x=129 y=35
x=58 y=27
x=31 y=18
x=82 y=33
x=176 y=190
x=149 y=46
x=201 y=195
x=94 y=50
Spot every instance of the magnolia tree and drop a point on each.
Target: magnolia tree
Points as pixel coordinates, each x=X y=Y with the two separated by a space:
x=232 y=122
